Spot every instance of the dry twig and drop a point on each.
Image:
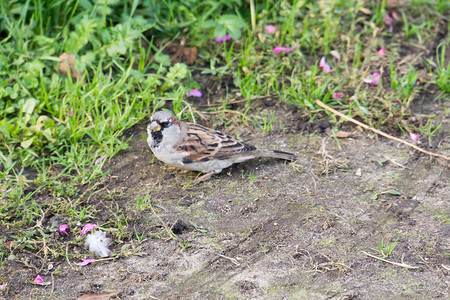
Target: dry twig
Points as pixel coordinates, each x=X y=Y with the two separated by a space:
x=320 y=103
x=390 y=262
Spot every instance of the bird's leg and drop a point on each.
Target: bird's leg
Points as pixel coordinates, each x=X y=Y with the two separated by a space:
x=205 y=177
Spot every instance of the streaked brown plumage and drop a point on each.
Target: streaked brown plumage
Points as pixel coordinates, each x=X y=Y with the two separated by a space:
x=196 y=147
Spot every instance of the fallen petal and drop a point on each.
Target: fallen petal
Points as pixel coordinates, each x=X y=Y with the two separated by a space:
x=381 y=52
x=337 y=95
x=99 y=159
x=86 y=228
x=221 y=39
x=194 y=93
x=85 y=262
x=283 y=49
x=3 y=286
x=279 y=49
x=375 y=78
x=290 y=49
x=327 y=68
x=322 y=62
x=270 y=29
x=38 y=279
x=414 y=136
x=387 y=19
x=71 y=112
x=63 y=228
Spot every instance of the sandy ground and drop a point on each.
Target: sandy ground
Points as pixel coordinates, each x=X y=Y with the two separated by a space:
x=266 y=230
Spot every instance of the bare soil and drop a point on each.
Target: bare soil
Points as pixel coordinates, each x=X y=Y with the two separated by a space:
x=266 y=230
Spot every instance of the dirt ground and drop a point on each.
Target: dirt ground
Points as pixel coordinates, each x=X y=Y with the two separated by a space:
x=266 y=230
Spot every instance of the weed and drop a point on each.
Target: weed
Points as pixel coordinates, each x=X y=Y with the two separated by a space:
x=268 y=121
x=441 y=73
x=250 y=175
x=143 y=202
x=385 y=249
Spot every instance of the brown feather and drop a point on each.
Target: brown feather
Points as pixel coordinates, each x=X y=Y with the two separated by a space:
x=212 y=144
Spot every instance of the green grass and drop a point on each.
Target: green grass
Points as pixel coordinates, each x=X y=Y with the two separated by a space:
x=385 y=248
x=57 y=131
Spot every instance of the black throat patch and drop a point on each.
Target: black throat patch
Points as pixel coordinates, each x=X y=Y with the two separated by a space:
x=157 y=137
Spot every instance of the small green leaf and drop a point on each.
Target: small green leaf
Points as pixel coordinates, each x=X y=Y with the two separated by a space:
x=233 y=25
x=392 y=192
x=29 y=106
x=373 y=197
x=30 y=82
x=220 y=31
x=163 y=59
x=27 y=143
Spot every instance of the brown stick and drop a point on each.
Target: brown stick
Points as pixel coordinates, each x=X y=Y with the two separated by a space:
x=320 y=103
x=390 y=262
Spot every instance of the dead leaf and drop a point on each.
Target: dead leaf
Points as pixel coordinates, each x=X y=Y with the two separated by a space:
x=365 y=11
x=179 y=53
x=336 y=54
x=98 y=296
x=345 y=134
x=340 y=134
x=68 y=61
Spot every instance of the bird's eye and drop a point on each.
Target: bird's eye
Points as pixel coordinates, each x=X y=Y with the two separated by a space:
x=165 y=124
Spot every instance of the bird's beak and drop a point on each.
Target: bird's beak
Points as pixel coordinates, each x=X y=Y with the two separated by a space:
x=154 y=126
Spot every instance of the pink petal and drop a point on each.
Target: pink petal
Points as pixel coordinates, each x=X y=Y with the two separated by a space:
x=322 y=62
x=194 y=93
x=99 y=159
x=3 y=286
x=283 y=49
x=221 y=39
x=279 y=49
x=71 y=112
x=414 y=136
x=381 y=52
x=63 y=228
x=86 y=228
x=85 y=262
x=327 y=68
x=270 y=29
x=290 y=49
x=337 y=95
x=387 y=19
x=375 y=78
x=9 y=243
x=38 y=279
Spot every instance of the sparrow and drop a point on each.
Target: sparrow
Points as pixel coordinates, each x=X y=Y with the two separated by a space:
x=195 y=147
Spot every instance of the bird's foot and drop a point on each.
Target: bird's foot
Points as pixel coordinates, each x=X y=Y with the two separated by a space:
x=203 y=178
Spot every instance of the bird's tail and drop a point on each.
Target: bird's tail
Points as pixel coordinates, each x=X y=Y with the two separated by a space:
x=276 y=154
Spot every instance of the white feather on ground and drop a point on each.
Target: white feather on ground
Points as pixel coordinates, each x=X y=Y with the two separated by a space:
x=98 y=243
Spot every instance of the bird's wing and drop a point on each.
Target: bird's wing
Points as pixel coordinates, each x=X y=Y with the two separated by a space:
x=203 y=144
